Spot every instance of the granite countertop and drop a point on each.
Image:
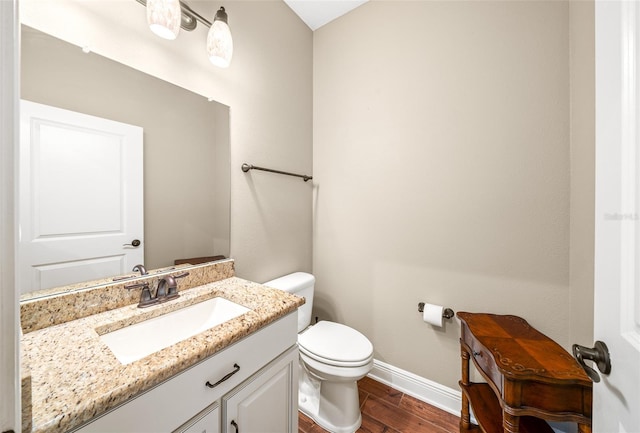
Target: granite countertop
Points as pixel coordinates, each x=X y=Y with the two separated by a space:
x=75 y=376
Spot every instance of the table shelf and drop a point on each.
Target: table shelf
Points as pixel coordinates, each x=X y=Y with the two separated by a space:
x=488 y=412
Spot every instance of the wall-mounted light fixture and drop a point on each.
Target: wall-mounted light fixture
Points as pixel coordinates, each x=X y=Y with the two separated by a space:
x=163 y=17
x=219 y=41
x=166 y=17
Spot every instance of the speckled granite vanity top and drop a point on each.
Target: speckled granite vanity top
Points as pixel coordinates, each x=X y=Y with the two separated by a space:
x=74 y=376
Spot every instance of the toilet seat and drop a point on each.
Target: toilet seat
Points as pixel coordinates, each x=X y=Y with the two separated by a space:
x=335 y=344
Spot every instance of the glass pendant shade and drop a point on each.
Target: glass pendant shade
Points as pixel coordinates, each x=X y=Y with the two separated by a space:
x=163 y=17
x=219 y=41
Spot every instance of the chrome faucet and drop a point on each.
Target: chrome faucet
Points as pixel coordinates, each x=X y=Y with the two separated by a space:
x=141 y=269
x=166 y=290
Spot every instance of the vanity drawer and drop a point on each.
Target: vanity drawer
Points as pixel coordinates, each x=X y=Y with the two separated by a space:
x=170 y=404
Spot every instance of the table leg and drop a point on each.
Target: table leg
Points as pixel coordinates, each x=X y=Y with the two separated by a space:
x=584 y=428
x=510 y=423
x=465 y=419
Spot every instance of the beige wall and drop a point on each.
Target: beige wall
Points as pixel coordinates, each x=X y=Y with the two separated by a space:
x=267 y=87
x=442 y=164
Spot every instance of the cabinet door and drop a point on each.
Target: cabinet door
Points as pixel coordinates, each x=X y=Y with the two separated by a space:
x=207 y=421
x=267 y=402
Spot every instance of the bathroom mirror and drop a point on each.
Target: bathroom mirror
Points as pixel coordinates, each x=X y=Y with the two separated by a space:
x=186 y=144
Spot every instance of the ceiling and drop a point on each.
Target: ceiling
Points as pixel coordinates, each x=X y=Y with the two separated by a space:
x=316 y=13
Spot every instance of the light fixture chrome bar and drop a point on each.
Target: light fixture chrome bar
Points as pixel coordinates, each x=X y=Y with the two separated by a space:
x=246 y=167
x=190 y=18
x=202 y=20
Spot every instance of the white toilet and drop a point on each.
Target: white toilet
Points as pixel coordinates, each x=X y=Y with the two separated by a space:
x=332 y=358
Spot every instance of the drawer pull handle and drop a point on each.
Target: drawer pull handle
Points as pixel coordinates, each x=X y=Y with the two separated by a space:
x=233 y=423
x=236 y=368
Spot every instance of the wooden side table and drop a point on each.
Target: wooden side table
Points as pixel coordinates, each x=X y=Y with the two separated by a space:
x=530 y=378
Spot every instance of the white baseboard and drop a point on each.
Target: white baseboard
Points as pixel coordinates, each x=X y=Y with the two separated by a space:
x=433 y=393
x=440 y=396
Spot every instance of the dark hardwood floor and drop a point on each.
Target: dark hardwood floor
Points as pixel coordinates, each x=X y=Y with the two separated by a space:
x=386 y=410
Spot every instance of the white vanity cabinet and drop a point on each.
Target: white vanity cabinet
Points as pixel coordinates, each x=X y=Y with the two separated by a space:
x=265 y=403
x=259 y=390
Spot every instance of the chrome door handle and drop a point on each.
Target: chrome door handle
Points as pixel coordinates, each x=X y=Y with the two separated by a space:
x=599 y=354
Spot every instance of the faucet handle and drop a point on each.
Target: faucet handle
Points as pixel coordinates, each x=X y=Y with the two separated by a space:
x=137 y=285
x=146 y=299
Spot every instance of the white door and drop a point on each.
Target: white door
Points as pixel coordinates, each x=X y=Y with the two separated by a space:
x=80 y=195
x=616 y=405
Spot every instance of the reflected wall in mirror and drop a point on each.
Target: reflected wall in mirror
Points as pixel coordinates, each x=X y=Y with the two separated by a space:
x=186 y=142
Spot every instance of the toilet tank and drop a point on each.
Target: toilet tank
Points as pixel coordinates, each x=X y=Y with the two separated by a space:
x=300 y=284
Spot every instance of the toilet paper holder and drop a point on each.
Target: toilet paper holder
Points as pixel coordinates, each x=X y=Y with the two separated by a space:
x=447 y=313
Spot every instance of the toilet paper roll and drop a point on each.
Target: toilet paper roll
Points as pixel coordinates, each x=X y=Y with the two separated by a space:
x=432 y=315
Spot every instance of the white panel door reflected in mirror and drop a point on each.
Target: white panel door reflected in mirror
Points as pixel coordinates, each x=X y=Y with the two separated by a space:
x=80 y=194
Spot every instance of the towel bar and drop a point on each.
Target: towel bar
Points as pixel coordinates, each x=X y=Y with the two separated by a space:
x=246 y=167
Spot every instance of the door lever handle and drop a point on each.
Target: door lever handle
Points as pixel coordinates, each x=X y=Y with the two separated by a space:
x=599 y=354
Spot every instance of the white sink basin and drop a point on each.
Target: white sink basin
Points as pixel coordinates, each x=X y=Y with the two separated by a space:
x=135 y=342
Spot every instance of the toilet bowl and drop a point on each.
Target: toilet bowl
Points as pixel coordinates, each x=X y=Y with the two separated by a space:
x=333 y=357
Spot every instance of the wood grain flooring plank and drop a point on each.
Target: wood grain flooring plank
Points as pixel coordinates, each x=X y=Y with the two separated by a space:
x=306 y=425
x=439 y=417
x=362 y=396
x=370 y=425
x=398 y=419
x=380 y=390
